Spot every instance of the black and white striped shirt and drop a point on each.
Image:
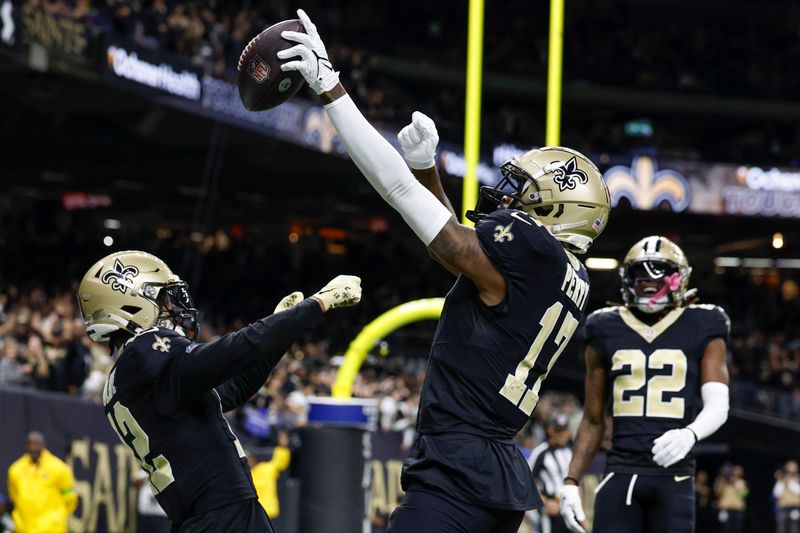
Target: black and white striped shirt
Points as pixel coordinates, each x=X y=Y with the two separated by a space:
x=549 y=465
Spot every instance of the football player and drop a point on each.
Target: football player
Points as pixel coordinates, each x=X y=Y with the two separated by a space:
x=166 y=394
x=517 y=301
x=651 y=359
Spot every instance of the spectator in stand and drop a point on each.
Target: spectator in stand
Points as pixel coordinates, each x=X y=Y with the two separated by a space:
x=787 y=498
x=13 y=369
x=41 y=488
x=731 y=491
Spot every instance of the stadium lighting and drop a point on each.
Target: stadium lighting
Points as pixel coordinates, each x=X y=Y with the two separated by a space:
x=757 y=262
x=601 y=263
x=728 y=262
x=787 y=263
x=777 y=240
x=108 y=240
x=112 y=223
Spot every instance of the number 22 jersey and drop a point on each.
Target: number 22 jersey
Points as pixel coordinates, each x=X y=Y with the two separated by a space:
x=653 y=378
x=487 y=365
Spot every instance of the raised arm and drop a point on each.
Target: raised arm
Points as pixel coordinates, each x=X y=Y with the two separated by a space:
x=587 y=441
x=253 y=350
x=236 y=391
x=418 y=141
x=454 y=245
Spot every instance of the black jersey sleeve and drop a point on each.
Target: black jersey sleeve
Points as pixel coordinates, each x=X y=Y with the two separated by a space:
x=510 y=237
x=595 y=331
x=196 y=368
x=236 y=391
x=715 y=321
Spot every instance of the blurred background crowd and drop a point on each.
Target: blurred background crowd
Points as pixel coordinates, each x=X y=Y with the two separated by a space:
x=233 y=279
x=697 y=50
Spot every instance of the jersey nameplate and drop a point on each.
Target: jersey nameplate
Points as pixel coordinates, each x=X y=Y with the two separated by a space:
x=575 y=288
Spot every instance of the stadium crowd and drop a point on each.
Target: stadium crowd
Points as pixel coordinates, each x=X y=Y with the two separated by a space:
x=704 y=51
x=233 y=278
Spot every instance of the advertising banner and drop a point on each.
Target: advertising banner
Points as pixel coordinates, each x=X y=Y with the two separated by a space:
x=146 y=69
x=644 y=181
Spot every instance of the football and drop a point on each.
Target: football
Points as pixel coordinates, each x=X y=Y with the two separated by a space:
x=262 y=83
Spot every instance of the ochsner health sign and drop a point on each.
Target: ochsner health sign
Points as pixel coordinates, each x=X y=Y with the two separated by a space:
x=159 y=75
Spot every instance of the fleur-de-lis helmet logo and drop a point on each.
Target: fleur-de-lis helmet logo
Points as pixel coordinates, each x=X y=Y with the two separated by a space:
x=568 y=175
x=120 y=277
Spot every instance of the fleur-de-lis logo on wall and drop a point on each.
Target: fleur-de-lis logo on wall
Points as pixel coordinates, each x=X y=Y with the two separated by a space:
x=320 y=132
x=646 y=187
x=568 y=175
x=121 y=276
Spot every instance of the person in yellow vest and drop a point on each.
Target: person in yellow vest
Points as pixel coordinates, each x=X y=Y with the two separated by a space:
x=266 y=474
x=731 y=491
x=41 y=487
x=787 y=498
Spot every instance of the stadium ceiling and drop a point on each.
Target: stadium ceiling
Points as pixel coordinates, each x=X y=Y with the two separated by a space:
x=63 y=134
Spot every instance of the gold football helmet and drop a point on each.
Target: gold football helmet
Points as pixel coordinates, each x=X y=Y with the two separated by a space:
x=133 y=291
x=559 y=187
x=655 y=275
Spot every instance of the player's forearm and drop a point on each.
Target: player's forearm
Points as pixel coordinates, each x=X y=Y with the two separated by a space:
x=236 y=391
x=587 y=442
x=715 y=410
x=385 y=168
x=263 y=342
x=429 y=177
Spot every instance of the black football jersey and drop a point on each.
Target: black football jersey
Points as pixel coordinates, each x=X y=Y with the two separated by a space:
x=487 y=365
x=653 y=378
x=165 y=398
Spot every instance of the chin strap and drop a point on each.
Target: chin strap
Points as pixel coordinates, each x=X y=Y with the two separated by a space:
x=671 y=284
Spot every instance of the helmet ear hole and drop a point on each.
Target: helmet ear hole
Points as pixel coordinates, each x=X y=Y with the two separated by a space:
x=132 y=309
x=544 y=210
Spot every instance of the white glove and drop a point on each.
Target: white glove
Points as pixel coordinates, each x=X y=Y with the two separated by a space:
x=313 y=64
x=289 y=301
x=673 y=446
x=572 y=508
x=341 y=291
x=418 y=141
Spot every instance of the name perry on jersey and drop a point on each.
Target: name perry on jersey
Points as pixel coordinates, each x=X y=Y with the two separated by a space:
x=575 y=288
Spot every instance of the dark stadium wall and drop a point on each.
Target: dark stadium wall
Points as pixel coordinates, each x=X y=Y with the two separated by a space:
x=76 y=431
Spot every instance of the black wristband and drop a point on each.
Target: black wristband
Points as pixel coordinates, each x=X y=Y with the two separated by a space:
x=696 y=440
x=570 y=478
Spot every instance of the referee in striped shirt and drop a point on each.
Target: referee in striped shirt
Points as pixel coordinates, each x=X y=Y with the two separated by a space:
x=549 y=464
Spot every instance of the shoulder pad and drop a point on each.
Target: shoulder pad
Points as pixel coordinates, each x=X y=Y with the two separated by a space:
x=715 y=315
x=509 y=235
x=602 y=313
x=155 y=339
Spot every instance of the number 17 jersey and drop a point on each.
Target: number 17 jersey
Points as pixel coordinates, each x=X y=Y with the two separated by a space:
x=487 y=365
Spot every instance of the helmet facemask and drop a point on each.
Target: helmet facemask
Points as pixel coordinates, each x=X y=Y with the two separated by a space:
x=515 y=189
x=176 y=307
x=653 y=285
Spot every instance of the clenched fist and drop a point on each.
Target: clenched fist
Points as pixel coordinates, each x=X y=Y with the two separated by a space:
x=341 y=291
x=418 y=141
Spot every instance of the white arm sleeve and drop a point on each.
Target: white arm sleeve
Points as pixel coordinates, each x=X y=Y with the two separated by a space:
x=386 y=171
x=714 y=412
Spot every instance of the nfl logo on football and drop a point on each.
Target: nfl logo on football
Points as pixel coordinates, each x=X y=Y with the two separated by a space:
x=258 y=69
